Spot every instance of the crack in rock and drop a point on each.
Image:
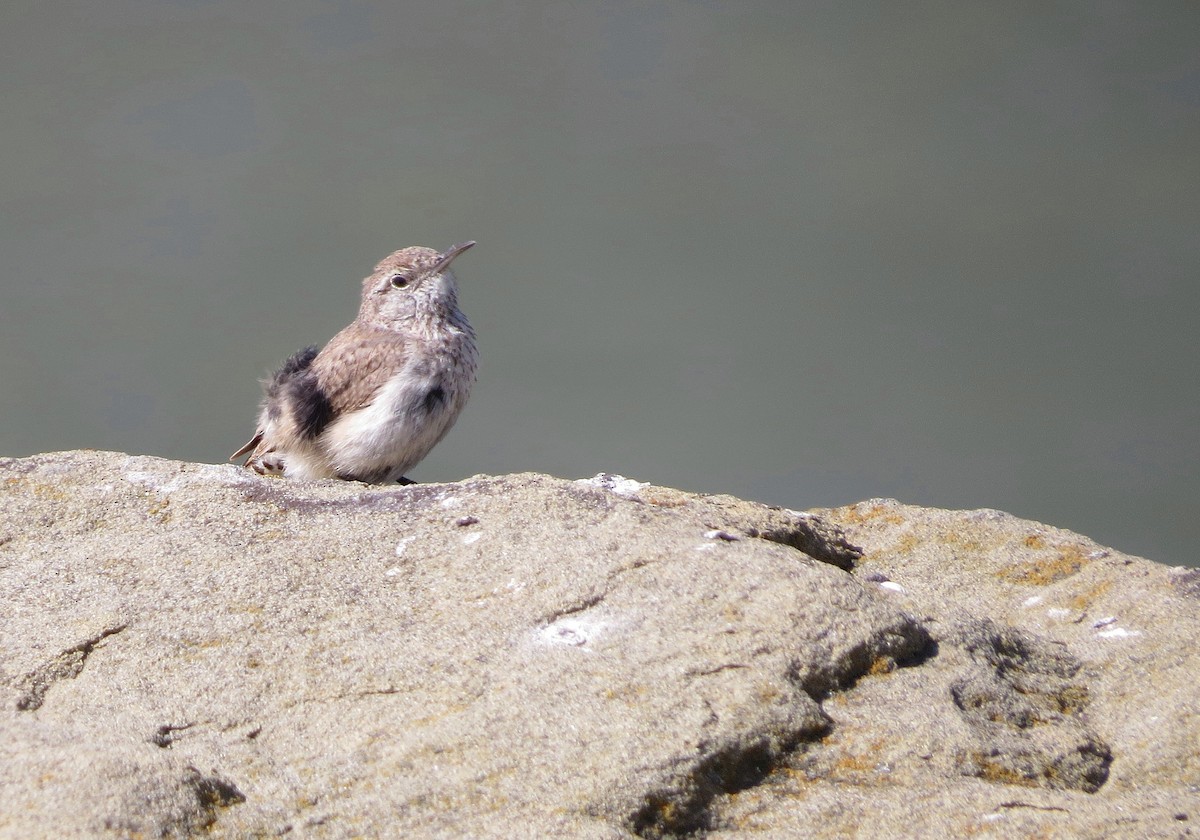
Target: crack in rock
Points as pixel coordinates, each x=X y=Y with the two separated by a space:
x=164 y=735
x=212 y=792
x=1025 y=707
x=906 y=644
x=688 y=805
x=176 y=805
x=815 y=537
x=582 y=605
x=65 y=666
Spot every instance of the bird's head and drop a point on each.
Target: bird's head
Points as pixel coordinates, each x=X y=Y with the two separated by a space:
x=410 y=285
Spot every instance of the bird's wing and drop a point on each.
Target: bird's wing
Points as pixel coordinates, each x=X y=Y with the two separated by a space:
x=355 y=364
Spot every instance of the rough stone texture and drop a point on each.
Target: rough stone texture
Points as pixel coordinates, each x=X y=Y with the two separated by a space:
x=1062 y=700
x=190 y=649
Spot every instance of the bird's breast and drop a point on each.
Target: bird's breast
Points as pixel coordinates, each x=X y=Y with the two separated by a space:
x=408 y=415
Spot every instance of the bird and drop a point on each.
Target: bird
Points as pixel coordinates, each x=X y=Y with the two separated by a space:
x=372 y=403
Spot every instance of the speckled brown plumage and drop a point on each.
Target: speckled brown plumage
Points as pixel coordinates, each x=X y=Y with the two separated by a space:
x=373 y=401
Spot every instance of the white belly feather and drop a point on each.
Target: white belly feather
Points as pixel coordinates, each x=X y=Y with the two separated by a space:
x=397 y=429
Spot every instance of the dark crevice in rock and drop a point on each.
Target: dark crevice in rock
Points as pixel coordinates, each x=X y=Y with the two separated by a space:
x=186 y=805
x=1025 y=706
x=821 y=540
x=164 y=736
x=905 y=645
x=716 y=669
x=582 y=605
x=361 y=694
x=815 y=537
x=212 y=792
x=688 y=806
x=65 y=666
x=1031 y=806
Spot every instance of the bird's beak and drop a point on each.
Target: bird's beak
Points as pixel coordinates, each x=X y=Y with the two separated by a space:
x=448 y=257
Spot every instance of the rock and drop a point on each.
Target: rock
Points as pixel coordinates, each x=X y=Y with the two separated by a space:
x=190 y=649
x=1061 y=700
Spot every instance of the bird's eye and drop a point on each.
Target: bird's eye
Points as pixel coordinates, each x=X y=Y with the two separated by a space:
x=399 y=281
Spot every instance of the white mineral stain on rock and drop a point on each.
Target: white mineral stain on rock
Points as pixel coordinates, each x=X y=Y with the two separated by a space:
x=718 y=534
x=403 y=544
x=143 y=478
x=1118 y=633
x=891 y=586
x=614 y=483
x=571 y=631
x=472 y=538
x=1032 y=601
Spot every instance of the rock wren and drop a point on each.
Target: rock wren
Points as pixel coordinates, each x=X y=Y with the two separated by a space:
x=381 y=394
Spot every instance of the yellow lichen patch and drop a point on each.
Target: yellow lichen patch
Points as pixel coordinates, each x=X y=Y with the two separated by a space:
x=1035 y=541
x=249 y=608
x=665 y=811
x=1085 y=599
x=304 y=802
x=993 y=771
x=659 y=499
x=906 y=544
x=158 y=509
x=1072 y=699
x=957 y=539
x=768 y=693
x=881 y=665
x=441 y=714
x=851 y=765
x=1043 y=571
x=49 y=491
x=632 y=694
x=861 y=513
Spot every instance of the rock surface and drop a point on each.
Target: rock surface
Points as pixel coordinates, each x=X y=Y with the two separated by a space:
x=189 y=649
